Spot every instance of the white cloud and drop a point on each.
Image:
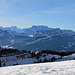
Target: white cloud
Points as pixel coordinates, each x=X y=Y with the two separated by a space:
x=53 y=12
x=67 y=9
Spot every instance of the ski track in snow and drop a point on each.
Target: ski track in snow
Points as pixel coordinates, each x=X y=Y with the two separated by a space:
x=69 y=45
x=34 y=41
x=53 y=68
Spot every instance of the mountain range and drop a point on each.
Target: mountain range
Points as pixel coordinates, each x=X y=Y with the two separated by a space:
x=37 y=38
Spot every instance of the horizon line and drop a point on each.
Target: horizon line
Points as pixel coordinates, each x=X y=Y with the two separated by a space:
x=35 y=25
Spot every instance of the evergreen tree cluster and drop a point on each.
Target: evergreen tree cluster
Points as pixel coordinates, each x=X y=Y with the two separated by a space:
x=37 y=55
x=57 y=53
x=45 y=60
x=0 y=63
x=11 y=51
x=32 y=54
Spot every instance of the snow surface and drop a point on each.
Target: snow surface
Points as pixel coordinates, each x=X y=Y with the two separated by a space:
x=52 y=68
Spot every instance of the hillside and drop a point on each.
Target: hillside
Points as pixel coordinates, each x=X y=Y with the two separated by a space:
x=59 y=68
x=57 y=43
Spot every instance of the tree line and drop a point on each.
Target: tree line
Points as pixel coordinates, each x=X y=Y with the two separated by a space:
x=34 y=54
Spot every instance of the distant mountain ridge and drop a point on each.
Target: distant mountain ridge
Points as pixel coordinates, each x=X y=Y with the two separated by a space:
x=54 y=39
x=31 y=30
x=37 y=38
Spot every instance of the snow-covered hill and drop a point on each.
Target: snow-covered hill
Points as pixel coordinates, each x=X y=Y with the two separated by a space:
x=69 y=57
x=5 y=33
x=24 y=58
x=52 y=32
x=53 y=68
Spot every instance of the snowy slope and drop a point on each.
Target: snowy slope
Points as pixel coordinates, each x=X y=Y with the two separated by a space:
x=5 y=33
x=13 y=59
x=59 y=68
x=52 y=32
x=70 y=57
x=56 y=43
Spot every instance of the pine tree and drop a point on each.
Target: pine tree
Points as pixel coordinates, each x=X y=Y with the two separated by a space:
x=32 y=54
x=52 y=59
x=61 y=57
x=40 y=61
x=45 y=60
x=4 y=64
x=34 y=61
x=0 y=63
x=49 y=60
x=38 y=56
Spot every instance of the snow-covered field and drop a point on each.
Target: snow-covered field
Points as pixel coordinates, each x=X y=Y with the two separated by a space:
x=10 y=60
x=52 y=68
x=69 y=57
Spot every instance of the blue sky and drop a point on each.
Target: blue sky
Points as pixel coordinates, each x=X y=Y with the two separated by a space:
x=25 y=13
